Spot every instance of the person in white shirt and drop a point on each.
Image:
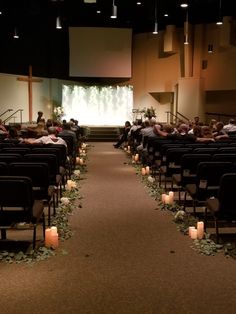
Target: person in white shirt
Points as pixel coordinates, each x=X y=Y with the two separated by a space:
x=51 y=138
x=230 y=127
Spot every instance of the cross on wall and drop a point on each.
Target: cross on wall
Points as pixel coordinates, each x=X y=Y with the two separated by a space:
x=30 y=81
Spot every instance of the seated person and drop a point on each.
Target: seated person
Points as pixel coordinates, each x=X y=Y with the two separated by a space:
x=124 y=135
x=51 y=138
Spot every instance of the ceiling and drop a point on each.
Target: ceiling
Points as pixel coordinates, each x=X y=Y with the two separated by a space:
x=40 y=43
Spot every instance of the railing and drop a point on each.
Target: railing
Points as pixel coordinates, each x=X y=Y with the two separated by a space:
x=176 y=118
x=9 y=117
x=219 y=116
x=5 y=112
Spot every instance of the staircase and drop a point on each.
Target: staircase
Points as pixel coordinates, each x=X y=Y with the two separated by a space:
x=103 y=134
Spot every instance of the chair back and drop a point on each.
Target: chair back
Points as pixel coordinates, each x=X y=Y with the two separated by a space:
x=226 y=195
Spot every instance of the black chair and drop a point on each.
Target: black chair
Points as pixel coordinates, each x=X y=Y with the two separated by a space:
x=172 y=163
x=224 y=157
x=188 y=171
x=223 y=207
x=207 y=182
x=16 y=150
x=3 y=168
x=8 y=158
x=38 y=172
x=206 y=150
x=18 y=205
x=55 y=178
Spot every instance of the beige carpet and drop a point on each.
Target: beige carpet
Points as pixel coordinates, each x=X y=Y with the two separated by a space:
x=124 y=257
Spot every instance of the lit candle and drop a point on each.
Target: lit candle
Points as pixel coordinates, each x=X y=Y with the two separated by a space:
x=190 y=230
x=163 y=198
x=54 y=241
x=53 y=230
x=147 y=170
x=69 y=184
x=125 y=149
x=194 y=234
x=171 y=197
x=200 y=229
x=136 y=157
x=143 y=171
x=167 y=199
x=77 y=160
x=81 y=162
x=128 y=149
x=48 y=237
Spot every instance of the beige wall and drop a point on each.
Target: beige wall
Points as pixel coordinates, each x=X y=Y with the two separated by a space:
x=193 y=77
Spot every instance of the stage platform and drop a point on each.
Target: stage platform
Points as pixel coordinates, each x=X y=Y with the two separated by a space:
x=103 y=133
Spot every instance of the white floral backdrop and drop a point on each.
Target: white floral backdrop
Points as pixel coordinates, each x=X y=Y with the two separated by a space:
x=98 y=106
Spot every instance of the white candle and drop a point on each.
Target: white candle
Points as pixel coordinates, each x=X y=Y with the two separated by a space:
x=136 y=157
x=128 y=148
x=81 y=161
x=69 y=184
x=143 y=171
x=200 y=229
x=125 y=149
x=163 y=198
x=53 y=230
x=167 y=199
x=48 y=237
x=77 y=160
x=147 y=170
x=54 y=240
x=194 y=234
x=190 y=230
x=171 y=197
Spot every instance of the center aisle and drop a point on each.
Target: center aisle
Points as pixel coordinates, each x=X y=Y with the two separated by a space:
x=137 y=260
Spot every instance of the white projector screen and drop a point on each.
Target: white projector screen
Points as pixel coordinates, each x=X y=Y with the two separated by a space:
x=100 y=52
x=96 y=105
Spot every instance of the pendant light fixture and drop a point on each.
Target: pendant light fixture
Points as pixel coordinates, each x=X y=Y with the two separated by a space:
x=220 y=20
x=186 y=30
x=155 y=31
x=114 y=10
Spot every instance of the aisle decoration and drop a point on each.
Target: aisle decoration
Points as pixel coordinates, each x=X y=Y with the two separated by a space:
x=201 y=244
x=60 y=223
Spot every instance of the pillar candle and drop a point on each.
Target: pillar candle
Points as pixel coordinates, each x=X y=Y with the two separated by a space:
x=200 y=229
x=53 y=230
x=69 y=184
x=143 y=171
x=190 y=230
x=136 y=157
x=81 y=161
x=128 y=149
x=194 y=234
x=54 y=241
x=171 y=197
x=77 y=160
x=147 y=170
x=167 y=199
x=163 y=197
x=48 y=237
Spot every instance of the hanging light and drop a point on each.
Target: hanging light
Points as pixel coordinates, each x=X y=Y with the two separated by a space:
x=16 y=34
x=155 y=31
x=210 y=48
x=220 y=21
x=186 y=30
x=58 y=23
x=114 y=11
x=184 y=4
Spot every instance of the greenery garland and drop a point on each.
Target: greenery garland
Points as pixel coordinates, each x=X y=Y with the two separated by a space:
x=183 y=220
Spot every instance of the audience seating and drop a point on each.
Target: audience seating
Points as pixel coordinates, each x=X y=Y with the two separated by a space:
x=19 y=206
x=222 y=208
x=38 y=172
x=207 y=182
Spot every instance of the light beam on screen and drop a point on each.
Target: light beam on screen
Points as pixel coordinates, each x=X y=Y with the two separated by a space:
x=98 y=106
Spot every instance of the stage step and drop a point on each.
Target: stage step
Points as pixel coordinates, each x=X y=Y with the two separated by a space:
x=103 y=134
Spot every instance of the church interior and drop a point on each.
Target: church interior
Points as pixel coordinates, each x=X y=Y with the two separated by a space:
x=117 y=156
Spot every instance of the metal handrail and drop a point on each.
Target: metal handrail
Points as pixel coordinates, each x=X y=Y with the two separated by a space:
x=5 y=112
x=180 y=114
x=9 y=117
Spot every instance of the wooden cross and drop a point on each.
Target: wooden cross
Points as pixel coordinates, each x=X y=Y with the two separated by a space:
x=30 y=80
